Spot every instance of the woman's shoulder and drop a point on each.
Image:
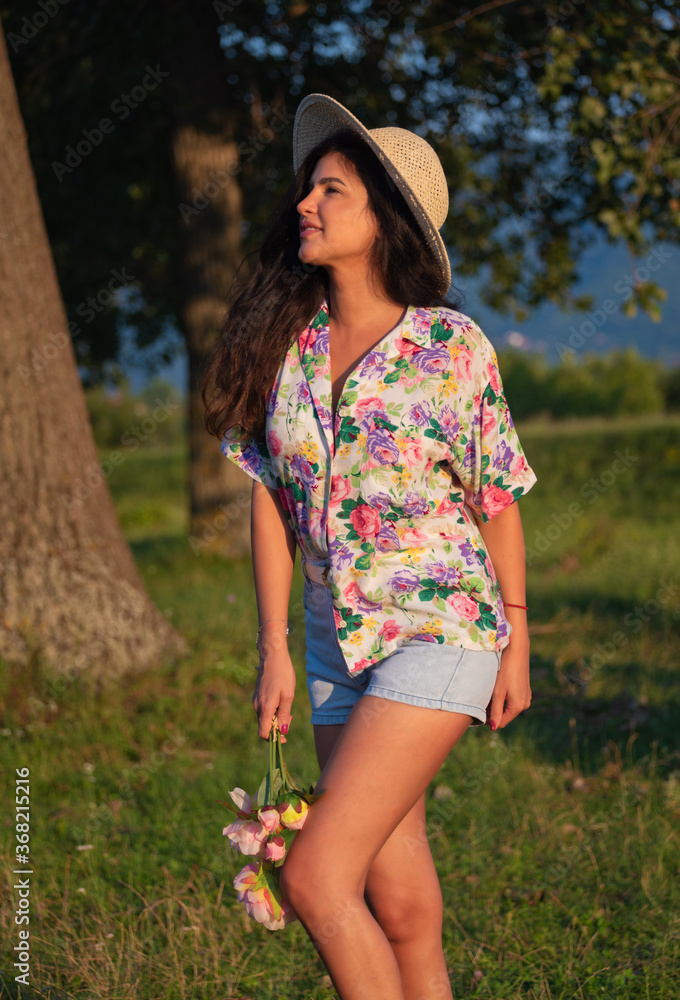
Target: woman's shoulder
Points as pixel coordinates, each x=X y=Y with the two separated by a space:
x=458 y=328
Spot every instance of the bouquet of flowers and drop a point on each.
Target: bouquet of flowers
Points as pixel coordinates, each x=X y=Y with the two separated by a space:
x=264 y=828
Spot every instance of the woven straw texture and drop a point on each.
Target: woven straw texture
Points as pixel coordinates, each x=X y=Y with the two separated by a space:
x=409 y=159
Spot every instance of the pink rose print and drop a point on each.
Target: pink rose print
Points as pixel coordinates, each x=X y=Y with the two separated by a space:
x=359 y=665
x=494 y=380
x=464 y=606
x=414 y=537
x=366 y=405
x=412 y=451
x=462 y=362
x=489 y=422
x=390 y=630
x=365 y=521
x=340 y=489
x=518 y=465
x=406 y=348
x=274 y=444
x=494 y=500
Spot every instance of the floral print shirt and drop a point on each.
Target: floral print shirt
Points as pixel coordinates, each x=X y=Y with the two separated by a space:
x=422 y=439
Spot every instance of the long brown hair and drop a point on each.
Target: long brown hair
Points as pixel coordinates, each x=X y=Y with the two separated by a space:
x=283 y=295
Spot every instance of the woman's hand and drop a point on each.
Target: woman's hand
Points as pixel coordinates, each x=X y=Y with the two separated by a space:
x=275 y=687
x=512 y=692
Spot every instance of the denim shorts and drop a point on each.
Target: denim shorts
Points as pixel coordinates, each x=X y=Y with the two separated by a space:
x=429 y=674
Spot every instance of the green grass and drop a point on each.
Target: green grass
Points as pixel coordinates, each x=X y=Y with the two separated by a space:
x=556 y=840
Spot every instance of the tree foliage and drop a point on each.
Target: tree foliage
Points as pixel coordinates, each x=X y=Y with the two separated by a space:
x=554 y=123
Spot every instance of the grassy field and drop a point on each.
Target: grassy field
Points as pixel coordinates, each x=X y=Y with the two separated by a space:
x=556 y=840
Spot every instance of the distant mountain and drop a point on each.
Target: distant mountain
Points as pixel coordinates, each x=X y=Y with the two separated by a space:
x=607 y=274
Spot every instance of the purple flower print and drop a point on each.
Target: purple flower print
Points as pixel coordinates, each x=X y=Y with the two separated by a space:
x=302 y=518
x=447 y=576
x=448 y=421
x=302 y=471
x=503 y=457
x=470 y=455
x=467 y=553
x=379 y=501
x=414 y=505
x=405 y=582
x=432 y=360
x=419 y=414
x=382 y=447
x=303 y=394
x=387 y=537
x=421 y=321
x=320 y=345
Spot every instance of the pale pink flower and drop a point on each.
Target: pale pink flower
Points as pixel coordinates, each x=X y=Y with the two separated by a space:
x=275 y=848
x=242 y=801
x=248 y=836
x=257 y=888
x=269 y=818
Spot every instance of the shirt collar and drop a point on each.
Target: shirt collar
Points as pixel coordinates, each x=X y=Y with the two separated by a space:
x=415 y=326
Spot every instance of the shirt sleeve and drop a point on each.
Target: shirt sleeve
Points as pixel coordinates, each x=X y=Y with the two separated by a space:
x=250 y=453
x=486 y=453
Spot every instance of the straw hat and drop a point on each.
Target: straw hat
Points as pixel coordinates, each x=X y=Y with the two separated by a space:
x=409 y=159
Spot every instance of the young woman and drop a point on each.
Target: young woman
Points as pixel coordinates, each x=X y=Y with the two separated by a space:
x=370 y=413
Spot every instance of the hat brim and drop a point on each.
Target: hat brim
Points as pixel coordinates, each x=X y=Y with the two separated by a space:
x=317 y=118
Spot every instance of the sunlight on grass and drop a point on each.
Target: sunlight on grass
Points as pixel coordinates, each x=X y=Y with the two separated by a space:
x=556 y=840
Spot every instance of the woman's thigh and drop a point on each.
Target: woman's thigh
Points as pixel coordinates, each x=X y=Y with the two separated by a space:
x=378 y=766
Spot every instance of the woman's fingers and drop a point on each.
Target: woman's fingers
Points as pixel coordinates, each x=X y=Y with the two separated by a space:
x=273 y=696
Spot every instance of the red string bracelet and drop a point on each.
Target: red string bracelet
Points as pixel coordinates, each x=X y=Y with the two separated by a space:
x=524 y=607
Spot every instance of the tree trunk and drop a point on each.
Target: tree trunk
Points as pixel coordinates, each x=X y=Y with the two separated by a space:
x=71 y=593
x=209 y=216
x=211 y=213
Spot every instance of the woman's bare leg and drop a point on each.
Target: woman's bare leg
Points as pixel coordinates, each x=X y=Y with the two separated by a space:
x=377 y=771
x=404 y=895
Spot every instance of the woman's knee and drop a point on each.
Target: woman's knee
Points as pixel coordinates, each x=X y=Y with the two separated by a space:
x=315 y=892
x=407 y=913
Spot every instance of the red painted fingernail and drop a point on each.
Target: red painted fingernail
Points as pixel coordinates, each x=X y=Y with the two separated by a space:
x=284 y=728
x=493 y=725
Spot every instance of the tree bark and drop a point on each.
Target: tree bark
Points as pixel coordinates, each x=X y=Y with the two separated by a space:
x=70 y=591
x=207 y=168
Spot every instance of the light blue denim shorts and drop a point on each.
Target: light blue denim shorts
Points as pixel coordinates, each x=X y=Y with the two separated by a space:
x=429 y=674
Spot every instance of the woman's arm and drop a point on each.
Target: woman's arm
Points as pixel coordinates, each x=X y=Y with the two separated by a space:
x=273 y=551
x=504 y=541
